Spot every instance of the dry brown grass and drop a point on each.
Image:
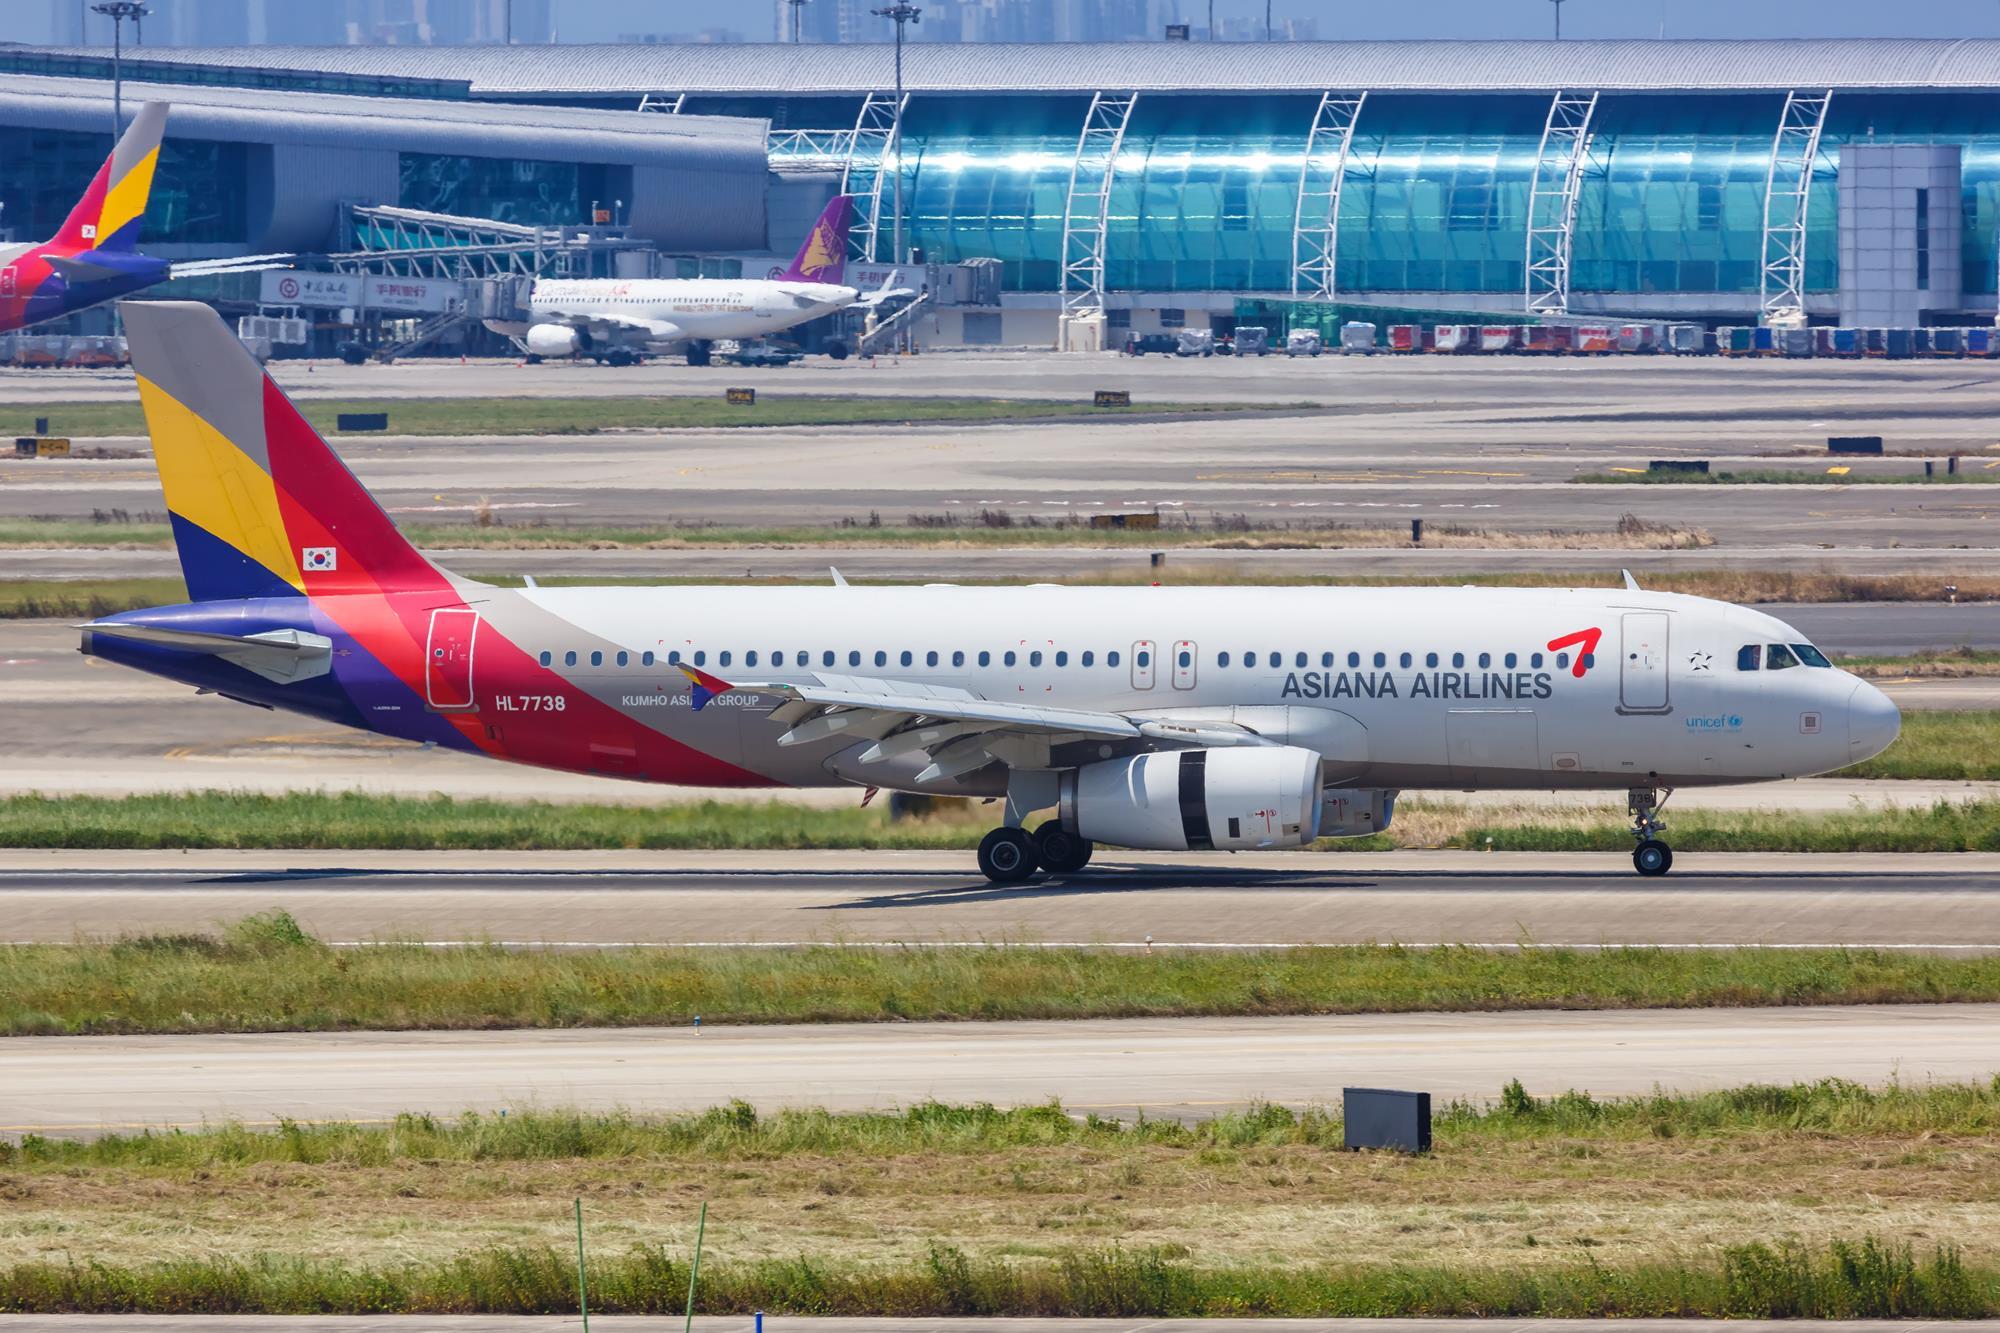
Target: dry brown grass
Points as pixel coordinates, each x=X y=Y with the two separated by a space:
x=1477 y=1204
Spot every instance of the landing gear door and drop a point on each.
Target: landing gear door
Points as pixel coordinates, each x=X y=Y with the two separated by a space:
x=448 y=659
x=1642 y=664
x=1142 y=664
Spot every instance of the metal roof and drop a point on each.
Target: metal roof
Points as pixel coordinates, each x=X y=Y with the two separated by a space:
x=249 y=115
x=1421 y=66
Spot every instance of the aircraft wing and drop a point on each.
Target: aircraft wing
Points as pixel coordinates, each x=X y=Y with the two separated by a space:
x=959 y=730
x=604 y=323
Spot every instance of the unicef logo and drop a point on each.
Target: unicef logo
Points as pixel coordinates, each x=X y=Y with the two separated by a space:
x=1721 y=722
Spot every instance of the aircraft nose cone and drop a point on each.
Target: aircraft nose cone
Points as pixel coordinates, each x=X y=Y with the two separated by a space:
x=1873 y=722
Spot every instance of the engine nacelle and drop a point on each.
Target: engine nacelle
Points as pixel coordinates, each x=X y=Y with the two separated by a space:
x=1232 y=799
x=556 y=340
x=1355 y=813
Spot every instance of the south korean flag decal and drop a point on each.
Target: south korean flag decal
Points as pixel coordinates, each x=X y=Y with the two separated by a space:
x=317 y=559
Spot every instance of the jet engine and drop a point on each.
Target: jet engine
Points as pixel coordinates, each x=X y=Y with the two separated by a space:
x=1232 y=798
x=1347 y=812
x=557 y=340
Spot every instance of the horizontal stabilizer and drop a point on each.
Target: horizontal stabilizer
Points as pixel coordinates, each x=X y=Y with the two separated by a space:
x=284 y=656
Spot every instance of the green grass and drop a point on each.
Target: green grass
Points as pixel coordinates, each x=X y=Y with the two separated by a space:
x=266 y=974
x=360 y=821
x=581 y=416
x=1940 y=745
x=1976 y=475
x=1863 y=1279
x=1829 y=1108
x=61 y=599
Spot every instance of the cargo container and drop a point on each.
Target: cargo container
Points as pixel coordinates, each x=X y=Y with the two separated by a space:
x=1405 y=338
x=1794 y=342
x=1303 y=342
x=1847 y=342
x=1896 y=344
x=1562 y=338
x=1873 y=342
x=1737 y=340
x=1498 y=337
x=1456 y=338
x=1979 y=342
x=1594 y=340
x=1920 y=342
x=1764 y=340
x=1639 y=339
x=1684 y=339
x=1948 y=342
x=1357 y=337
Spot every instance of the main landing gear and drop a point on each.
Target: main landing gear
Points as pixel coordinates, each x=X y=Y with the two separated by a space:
x=1012 y=855
x=1652 y=856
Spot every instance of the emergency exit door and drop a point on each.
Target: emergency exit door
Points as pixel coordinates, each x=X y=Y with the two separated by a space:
x=1142 y=665
x=448 y=659
x=1642 y=666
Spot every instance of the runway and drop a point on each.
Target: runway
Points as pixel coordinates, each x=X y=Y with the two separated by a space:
x=238 y=1323
x=1182 y=1067
x=1269 y=899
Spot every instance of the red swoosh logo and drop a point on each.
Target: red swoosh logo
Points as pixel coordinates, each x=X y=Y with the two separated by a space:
x=1585 y=640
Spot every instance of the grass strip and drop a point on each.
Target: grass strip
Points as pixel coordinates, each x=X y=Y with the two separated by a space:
x=266 y=974
x=1867 y=1278
x=1828 y=1108
x=365 y=822
x=1786 y=477
x=529 y=415
x=1941 y=746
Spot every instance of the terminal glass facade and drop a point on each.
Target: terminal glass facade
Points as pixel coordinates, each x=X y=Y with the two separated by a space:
x=1436 y=191
x=200 y=188
x=518 y=190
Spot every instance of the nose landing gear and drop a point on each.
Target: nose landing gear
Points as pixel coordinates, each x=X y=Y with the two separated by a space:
x=1652 y=856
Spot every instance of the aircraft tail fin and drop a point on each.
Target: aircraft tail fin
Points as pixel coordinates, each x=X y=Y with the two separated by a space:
x=260 y=505
x=112 y=210
x=823 y=256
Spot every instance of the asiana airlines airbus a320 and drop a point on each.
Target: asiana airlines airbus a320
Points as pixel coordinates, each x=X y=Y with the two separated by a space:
x=1175 y=719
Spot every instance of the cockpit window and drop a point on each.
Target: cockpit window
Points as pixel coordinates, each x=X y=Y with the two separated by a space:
x=1749 y=657
x=1777 y=657
x=1810 y=655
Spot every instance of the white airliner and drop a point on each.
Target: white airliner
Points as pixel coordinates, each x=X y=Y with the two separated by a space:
x=1176 y=719
x=618 y=320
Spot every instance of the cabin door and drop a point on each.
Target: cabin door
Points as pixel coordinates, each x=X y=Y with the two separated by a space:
x=448 y=659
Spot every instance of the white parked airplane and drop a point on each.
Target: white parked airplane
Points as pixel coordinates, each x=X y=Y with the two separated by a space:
x=1178 y=719
x=618 y=320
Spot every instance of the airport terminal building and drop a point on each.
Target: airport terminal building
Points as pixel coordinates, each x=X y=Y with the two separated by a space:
x=1162 y=182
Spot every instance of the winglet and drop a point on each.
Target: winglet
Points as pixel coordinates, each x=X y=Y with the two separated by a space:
x=839 y=579
x=1631 y=584
x=706 y=687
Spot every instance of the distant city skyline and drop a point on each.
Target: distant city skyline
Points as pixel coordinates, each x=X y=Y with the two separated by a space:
x=221 y=21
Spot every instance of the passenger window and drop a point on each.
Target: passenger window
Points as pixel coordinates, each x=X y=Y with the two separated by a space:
x=1089 y=658
x=905 y=659
x=1277 y=661
x=674 y=657
x=1777 y=657
x=881 y=658
x=1382 y=659
x=1512 y=660
x=1589 y=661
x=1062 y=659
x=985 y=658
x=1145 y=658
x=1326 y=659
x=1035 y=657
x=853 y=657
x=1222 y=659
x=1111 y=658
x=1187 y=658
x=750 y=658
x=826 y=658
x=1485 y=660
x=569 y=659
x=700 y=657
x=622 y=658
x=646 y=658
x=1008 y=659
x=1749 y=657
x=1562 y=660
x=1354 y=659
x=1405 y=659
x=1430 y=660
x=722 y=658
x=597 y=659
x=1536 y=661
x=1810 y=655
x=1300 y=660
x=958 y=657
x=1457 y=660
x=547 y=657
x=930 y=658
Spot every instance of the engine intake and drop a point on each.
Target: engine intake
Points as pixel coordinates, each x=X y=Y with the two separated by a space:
x=556 y=340
x=1229 y=799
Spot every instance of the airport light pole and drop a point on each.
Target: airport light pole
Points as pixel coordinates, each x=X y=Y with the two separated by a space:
x=899 y=14
x=118 y=11
x=797 y=6
x=1559 y=18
